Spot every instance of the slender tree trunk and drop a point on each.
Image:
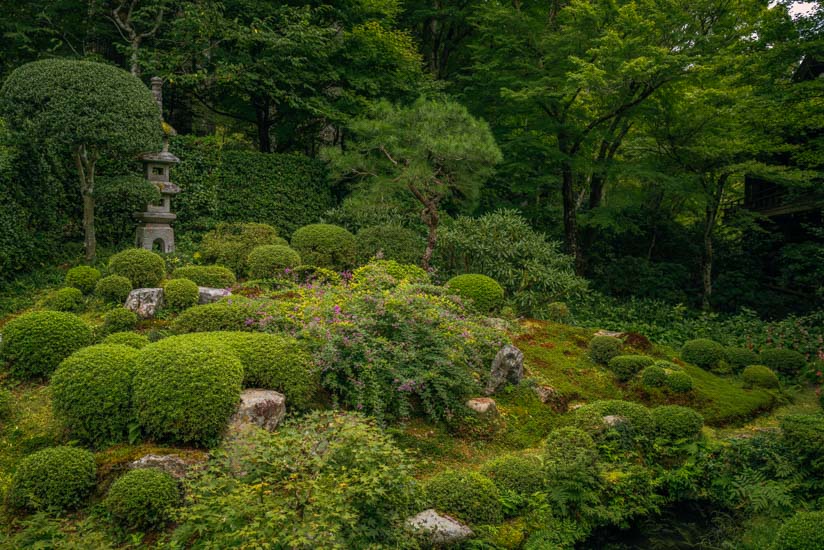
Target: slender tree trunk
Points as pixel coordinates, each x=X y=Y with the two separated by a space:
x=134 y=56
x=431 y=218
x=710 y=219
x=264 y=123
x=85 y=168
x=570 y=214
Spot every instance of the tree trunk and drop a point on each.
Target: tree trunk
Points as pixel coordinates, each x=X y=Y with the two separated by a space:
x=710 y=218
x=264 y=123
x=706 y=271
x=85 y=168
x=134 y=56
x=430 y=218
x=570 y=215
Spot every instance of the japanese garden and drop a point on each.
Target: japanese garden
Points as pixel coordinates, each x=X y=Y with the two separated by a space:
x=412 y=274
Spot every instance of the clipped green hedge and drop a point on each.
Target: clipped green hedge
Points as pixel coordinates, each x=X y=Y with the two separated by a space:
x=113 y=289
x=467 y=495
x=674 y=422
x=83 y=277
x=703 y=353
x=119 y=320
x=627 y=366
x=520 y=474
x=143 y=498
x=326 y=245
x=389 y=242
x=179 y=294
x=485 y=292
x=229 y=244
x=784 y=361
x=212 y=317
x=35 y=343
x=212 y=276
x=759 y=376
x=55 y=478
x=91 y=393
x=801 y=532
x=602 y=349
x=679 y=382
x=142 y=267
x=653 y=377
x=131 y=339
x=270 y=260
x=65 y=299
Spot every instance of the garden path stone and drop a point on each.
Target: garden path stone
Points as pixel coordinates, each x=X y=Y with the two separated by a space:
x=440 y=529
x=145 y=301
x=262 y=408
x=507 y=367
x=207 y=295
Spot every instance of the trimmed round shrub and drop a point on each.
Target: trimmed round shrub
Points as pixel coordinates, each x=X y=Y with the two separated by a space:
x=113 y=289
x=627 y=366
x=119 y=320
x=143 y=498
x=801 y=532
x=653 y=377
x=485 y=292
x=6 y=404
x=738 y=358
x=389 y=242
x=91 y=393
x=785 y=361
x=65 y=299
x=634 y=416
x=211 y=317
x=759 y=376
x=229 y=244
x=679 y=382
x=387 y=274
x=557 y=312
x=270 y=260
x=603 y=348
x=131 y=339
x=520 y=474
x=179 y=294
x=83 y=277
x=326 y=245
x=467 y=495
x=56 y=478
x=212 y=276
x=186 y=391
x=668 y=366
x=674 y=422
x=35 y=343
x=142 y=267
x=703 y=353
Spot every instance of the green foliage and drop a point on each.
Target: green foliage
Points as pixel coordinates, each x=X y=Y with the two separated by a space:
x=674 y=422
x=92 y=391
x=131 y=339
x=313 y=275
x=186 y=390
x=83 y=277
x=502 y=245
x=571 y=467
x=326 y=245
x=143 y=498
x=113 y=289
x=212 y=276
x=803 y=436
x=228 y=315
x=142 y=267
x=784 y=361
x=603 y=348
x=679 y=382
x=36 y=342
x=269 y=261
x=119 y=320
x=56 y=478
x=759 y=376
x=485 y=294
x=179 y=294
x=117 y=198
x=389 y=242
x=229 y=244
x=653 y=377
x=362 y=489
x=557 y=312
x=466 y=495
x=703 y=353
x=65 y=299
x=801 y=532
x=523 y=475
x=627 y=366
x=632 y=420
x=739 y=358
x=6 y=404
x=386 y=274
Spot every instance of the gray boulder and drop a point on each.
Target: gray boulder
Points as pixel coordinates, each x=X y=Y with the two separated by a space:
x=439 y=529
x=207 y=295
x=262 y=408
x=507 y=367
x=145 y=301
x=173 y=465
x=552 y=397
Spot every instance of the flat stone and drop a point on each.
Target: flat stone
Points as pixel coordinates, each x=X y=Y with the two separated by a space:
x=483 y=406
x=611 y=333
x=171 y=464
x=440 y=529
x=145 y=301
x=613 y=420
x=207 y=295
x=262 y=408
x=507 y=367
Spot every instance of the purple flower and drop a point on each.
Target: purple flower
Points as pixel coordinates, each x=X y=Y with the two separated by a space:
x=336 y=309
x=249 y=322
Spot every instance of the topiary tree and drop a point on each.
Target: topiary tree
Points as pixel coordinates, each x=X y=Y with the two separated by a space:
x=65 y=299
x=759 y=376
x=142 y=267
x=214 y=276
x=56 y=478
x=673 y=422
x=704 y=353
x=466 y=495
x=180 y=294
x=119 y=320
x=143 y=498
x=785 y=361
x=92 y=393
x=85 y=110
x=485 y=292
x=389 y=242
x=325 y=245
x=603 y=348
x=83 y=278
x=627 y=366
x=113 y=289
x=270 y=260
x=801 y=532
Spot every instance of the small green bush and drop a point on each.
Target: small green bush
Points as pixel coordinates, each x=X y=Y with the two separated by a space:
x=211 y=317
x=653 y=377
x=6 y=404
x=603 y=348
x=803 y=437
x=679 y=382
x=143 y=498
x=212 y=276
x=759 y=376
x=520 y=474
x=673 y=422
x=186 y=391
x=627 y=366
x=557 y=312
x=668 y=366
x=113 y=289
x=326 y=245
x=65 y=299
x=35 y=343
x=179 y=294
x=131 y=339
x=310 y=274
x=389 y=242
x=119 y=320
x=142 y=267
x=703 y=353
x=636 y=417
x=801 y=532
x=387 y=274
x=486 y=294
x=738 y=358
x=91 y=393
x=784 y=361
x=56 y=478
x=83 y=277
x=229 y=244
x=467 y=495
x=571 y=464
x=270 y=260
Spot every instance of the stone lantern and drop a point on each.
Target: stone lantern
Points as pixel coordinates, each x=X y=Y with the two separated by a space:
x=155 y=223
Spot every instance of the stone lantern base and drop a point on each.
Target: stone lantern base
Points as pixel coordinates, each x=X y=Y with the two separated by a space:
x=151 y=234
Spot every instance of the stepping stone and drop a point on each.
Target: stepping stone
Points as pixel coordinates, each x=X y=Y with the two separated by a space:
x=439 y=529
